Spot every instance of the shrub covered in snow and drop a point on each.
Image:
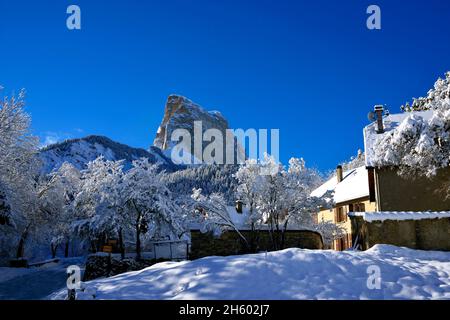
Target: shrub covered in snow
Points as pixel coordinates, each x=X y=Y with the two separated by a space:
x=105 y=265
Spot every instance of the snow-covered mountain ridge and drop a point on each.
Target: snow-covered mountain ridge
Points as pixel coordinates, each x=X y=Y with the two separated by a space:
x=179 y=112
x=80 y=151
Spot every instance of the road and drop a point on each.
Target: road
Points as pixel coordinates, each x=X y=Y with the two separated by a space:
x=36 y=285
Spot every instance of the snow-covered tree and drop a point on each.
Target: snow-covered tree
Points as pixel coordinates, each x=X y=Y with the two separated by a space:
x=420 y=146
x=19 y=215
x=434 y=98
x=129 y=204
x=211 y=178
x=56 y=194
x=281 y=197
x=150 y=206
x=98 y=205
x=247 y=177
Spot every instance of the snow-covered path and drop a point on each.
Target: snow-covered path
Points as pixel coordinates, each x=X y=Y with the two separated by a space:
x=34 y=283
x=286 y=274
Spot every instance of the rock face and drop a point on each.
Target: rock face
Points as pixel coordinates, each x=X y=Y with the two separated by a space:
x=180 y=113
x=79 y=152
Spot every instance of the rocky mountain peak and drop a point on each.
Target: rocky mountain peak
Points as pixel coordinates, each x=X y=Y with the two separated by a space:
x=181 y=112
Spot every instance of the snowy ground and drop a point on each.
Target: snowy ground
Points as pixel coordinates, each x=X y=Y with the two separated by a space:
x=287 y=274
x=34 y=283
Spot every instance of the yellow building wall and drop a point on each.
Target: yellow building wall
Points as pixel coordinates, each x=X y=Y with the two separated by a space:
x=329 y=215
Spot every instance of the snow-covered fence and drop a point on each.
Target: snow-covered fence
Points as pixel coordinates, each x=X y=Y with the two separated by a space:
x=173 y=250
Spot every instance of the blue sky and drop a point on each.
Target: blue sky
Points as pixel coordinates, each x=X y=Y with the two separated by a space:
x=311 y=69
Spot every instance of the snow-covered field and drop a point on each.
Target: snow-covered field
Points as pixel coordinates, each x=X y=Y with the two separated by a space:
x=286 y=274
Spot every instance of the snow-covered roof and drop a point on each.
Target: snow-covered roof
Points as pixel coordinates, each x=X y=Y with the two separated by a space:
x=400 y=215
x=239 y=219
x=354 y=185
x=390 y=122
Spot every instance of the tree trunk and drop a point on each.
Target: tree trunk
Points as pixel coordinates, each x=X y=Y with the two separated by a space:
x=278 y=233
x=20 y=249
x=53 y=248
x=138 y=231
x=101 y=242
x=272 y=234
x=138 y=241
x=93 y=246
x=283 y=235
x=66 y=249
x=121 y=245
x=254 y=241
x=21 y=246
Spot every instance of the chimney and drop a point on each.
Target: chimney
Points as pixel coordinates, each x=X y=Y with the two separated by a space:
x=379 y=112
x=339 y=173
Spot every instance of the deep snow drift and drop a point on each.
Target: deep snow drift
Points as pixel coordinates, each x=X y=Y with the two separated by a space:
x=286 y=274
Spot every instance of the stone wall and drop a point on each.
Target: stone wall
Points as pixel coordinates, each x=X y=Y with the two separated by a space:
x=426 y=234
x=229 y=243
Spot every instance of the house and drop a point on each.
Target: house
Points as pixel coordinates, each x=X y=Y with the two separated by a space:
x=392 y=192
x=351 y=193
x=384 y=196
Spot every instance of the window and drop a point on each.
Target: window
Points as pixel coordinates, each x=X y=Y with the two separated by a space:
x=339 y=215
x=358 y=207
